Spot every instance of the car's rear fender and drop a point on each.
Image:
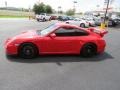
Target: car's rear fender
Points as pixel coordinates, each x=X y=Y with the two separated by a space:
x=92 y=42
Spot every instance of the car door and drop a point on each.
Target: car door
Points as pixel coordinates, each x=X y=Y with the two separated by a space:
x=77 y=22
x=70 y=40
x=64 y=40
x=63 y=43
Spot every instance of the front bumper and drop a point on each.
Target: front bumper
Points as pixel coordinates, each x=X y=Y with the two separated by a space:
x=11 y=49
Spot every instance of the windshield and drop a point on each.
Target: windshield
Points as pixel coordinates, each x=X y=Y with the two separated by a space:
x=42 y=14
x=47 y=30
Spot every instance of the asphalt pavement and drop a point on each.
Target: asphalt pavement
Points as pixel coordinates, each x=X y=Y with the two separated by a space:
x=58 y=72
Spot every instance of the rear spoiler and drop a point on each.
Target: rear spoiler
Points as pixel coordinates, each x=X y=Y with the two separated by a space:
x=99 y=31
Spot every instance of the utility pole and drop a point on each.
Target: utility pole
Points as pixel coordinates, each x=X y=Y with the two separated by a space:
x=103 y=23
x=108 y=1
x=29 y=12
x=6 y=4
x=74 y=8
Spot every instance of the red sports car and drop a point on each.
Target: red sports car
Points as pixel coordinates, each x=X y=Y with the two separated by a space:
x=59 y=38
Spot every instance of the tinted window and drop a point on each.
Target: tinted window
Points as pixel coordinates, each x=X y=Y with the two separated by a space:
x=70 y=32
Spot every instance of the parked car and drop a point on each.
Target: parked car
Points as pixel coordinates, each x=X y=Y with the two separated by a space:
x=59 y=38
x=65 y=18
x=53 y=17
x=43 y=17
x=62 y=18
x=111 y=22
x=79 y=22
x=117 y=20
x=70 y=18
x=91 y=21
x=97 y=21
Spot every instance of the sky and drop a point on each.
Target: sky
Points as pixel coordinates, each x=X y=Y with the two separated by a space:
x=81 y=6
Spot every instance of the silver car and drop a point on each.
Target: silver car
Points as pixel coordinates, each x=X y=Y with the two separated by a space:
x=79 y=22
x=91 y=21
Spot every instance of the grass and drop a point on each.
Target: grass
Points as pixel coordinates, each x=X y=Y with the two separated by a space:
x=13 y=16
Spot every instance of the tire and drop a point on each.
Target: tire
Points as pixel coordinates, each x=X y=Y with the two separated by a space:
x=38 y=20
x=88 y=50
x=82 y=25
x=43 y=20
x=67 y=23
x=28 y=51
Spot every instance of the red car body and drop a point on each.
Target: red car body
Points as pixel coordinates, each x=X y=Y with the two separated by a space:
x=52 y=44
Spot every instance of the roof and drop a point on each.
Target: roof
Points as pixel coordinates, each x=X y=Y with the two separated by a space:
x=63 y=24
x=66 y=25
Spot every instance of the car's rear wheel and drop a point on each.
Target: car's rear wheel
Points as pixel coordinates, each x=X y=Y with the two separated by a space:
x=28 y=51
x=88 y=50
x=82 y=25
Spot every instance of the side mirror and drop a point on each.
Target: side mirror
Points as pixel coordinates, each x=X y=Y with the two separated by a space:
x=52 y=35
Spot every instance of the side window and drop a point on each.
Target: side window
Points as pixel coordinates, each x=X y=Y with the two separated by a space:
x=64 y=32
x=70 y=32
x=75 y=20
x=80 y=32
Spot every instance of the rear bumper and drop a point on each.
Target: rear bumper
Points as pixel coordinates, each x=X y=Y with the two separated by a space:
x=101 y=46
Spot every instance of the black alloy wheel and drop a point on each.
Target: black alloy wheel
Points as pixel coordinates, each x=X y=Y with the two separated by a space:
x=28 y=51
x=88 y=50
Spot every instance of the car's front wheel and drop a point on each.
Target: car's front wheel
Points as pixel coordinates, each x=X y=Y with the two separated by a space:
x=43 y=20
x=28 y=51
x=88 y=50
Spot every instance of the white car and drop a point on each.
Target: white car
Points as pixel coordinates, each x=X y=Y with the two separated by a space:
x=43 y=17
x=79 y=22
x=91 y=21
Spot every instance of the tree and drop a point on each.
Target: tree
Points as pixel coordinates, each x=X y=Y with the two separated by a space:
x=48 y=9
x=42 y=8
x=39 y=8
x=80 y=13
x=70 y=12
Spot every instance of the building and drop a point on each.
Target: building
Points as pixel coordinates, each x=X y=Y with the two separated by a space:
x=113 y=10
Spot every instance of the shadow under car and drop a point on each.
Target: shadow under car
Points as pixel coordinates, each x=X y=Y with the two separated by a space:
x=61 y=58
